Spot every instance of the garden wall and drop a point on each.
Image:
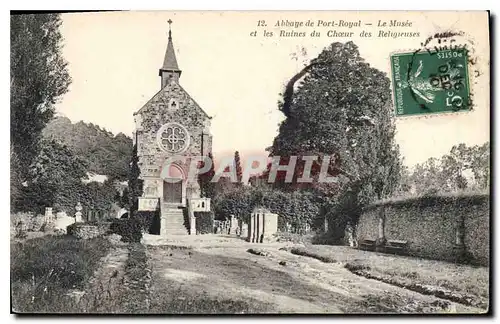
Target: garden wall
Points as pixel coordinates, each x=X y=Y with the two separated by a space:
x=433 y=226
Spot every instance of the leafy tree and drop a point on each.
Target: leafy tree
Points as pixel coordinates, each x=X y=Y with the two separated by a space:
x=55 y=179
x=123 y=199
x=237 y=163
x=15 y=178
x=464 y=167
x=99 y=196
x=342 y=108
x=204 y=179
x=480 y=164
x=135 y=184
x=38 y=78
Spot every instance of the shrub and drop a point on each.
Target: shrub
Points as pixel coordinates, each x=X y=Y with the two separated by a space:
x=129 y=229
x=298 y=208
x=37 y=223
x=204 y=222
x=146 y=219
x=48 y=227
x=27 y=221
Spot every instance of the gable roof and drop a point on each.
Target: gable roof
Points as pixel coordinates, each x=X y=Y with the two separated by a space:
x=161 y=90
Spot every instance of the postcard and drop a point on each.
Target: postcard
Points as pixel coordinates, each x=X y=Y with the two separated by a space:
x=250 y=162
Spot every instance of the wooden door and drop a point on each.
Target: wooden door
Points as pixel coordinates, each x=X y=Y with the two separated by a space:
x=172 y=192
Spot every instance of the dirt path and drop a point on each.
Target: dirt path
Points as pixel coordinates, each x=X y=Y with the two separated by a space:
x=222 y=277
x=104 y=289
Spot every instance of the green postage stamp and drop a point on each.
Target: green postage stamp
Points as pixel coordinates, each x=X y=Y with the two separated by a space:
x=429 y=82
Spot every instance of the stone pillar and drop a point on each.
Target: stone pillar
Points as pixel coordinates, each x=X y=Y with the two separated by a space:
x=260 y=227
x=163 y=225
x=78 y=214
x=233 y=224
x=270 y=225
x=49 y=216
x=192 y=225
x=251 y=228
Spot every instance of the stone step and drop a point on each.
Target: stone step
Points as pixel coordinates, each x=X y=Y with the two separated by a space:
x=176 y=233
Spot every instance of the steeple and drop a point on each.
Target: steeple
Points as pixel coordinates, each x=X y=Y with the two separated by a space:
x=170 y=69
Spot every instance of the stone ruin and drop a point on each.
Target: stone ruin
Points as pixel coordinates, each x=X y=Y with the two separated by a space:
x=262 y=226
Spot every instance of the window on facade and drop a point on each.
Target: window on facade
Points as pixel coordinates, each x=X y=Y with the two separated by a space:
x=173 y=138
x=173 y=104
x=150 y=191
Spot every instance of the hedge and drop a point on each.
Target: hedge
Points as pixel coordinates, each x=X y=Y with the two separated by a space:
x=298 y=208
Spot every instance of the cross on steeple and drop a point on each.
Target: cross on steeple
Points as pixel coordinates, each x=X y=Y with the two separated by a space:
x=169 y=28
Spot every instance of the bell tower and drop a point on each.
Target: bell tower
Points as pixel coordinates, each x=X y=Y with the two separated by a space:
x=170 y=70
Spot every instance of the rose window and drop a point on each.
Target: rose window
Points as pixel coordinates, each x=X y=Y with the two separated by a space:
x=173 y=138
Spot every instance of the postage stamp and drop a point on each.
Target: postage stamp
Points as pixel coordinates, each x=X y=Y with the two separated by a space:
x=429 y=82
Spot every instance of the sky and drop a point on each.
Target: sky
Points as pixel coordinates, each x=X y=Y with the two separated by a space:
x=237 y=79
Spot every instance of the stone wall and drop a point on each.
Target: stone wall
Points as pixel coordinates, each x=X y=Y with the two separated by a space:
x=432 y=225
x=477 y=233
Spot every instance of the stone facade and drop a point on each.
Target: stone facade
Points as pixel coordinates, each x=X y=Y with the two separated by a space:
x=170 y=124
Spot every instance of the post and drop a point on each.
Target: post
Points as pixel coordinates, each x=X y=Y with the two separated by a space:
x=78 y=214
x=203 y=155
x=380 y=243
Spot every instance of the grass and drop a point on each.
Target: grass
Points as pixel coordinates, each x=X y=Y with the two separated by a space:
x=465 y=284
x=45 y=269
x=137 y=277
x=312 y=254
x=259 y=252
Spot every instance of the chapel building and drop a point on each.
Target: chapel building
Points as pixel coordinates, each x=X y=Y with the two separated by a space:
x=170 y=124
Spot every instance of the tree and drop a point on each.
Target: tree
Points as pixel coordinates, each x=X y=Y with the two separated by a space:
x=464 y=167
x=135 y=184
x=237 y=163
x=99 y=196
x=123 y=198
x=38 y=78
x=480 y=164
x=15 y=179
x=55 y=179
x=204 y=179
x=342 y=108
x=104 y=152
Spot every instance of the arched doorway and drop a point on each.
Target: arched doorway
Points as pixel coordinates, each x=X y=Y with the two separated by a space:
x=173 y=185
